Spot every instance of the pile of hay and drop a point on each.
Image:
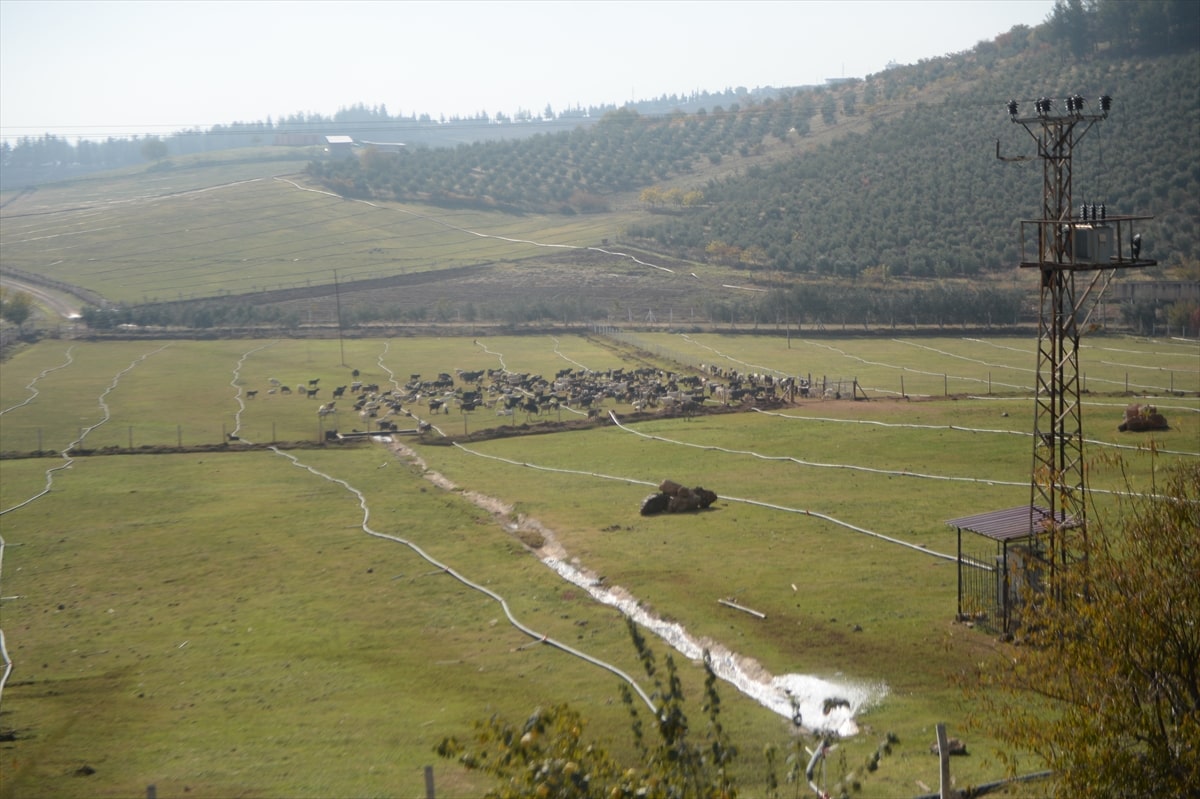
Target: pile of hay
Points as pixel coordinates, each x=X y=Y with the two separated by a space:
x=674 y=498
x=1142 y=417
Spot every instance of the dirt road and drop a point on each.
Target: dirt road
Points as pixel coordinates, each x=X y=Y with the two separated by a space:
x=58 y=304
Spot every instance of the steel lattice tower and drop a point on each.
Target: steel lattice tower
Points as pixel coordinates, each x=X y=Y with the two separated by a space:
x=1067 y=245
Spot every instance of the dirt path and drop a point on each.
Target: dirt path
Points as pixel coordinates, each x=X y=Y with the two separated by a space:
x=55 y=302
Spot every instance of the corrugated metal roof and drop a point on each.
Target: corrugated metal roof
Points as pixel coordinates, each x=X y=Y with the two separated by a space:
x=1010 y=523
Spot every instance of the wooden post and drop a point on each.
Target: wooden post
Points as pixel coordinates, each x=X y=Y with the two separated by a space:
x=151 y=791
x=944 y=789
x=429 y=782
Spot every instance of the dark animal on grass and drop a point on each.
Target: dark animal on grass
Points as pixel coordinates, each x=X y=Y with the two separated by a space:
x=338 y=392
x=311 y=393
x=251 y=394
x=314 y=381
x=284 y=390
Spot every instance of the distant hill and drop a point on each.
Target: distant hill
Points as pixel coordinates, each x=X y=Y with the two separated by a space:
x=898 y=173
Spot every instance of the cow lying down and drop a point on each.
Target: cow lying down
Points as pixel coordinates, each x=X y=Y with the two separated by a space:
x=674 y=498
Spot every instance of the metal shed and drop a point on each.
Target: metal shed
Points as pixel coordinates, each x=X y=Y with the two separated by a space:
x=991 y=578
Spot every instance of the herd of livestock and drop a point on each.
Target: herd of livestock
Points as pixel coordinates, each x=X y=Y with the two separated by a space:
x=580 y=391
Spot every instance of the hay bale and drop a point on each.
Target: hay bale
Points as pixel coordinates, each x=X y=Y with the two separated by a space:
x=675 y=498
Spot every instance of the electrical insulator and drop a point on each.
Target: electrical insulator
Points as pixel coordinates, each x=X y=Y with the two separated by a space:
x=1101 y=211
x=1105 y=103
x=1012 y=108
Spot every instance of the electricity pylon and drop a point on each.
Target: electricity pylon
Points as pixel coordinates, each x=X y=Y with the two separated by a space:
x=1093 y=242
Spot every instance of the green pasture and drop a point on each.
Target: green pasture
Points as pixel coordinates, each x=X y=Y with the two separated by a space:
x=219 y=621
x=180 y=174
x=220 y=624
x=942 y=366
x=210 y=232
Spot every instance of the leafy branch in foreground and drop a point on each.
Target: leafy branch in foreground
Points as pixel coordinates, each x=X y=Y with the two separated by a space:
x=1114 y=652
x=546 y=756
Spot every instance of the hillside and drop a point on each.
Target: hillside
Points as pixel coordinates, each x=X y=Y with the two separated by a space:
x=898 y=171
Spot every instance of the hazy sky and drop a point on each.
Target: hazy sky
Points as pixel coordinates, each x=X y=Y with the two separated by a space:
x=100 y=68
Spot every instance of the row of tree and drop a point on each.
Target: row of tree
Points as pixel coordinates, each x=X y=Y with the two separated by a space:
x=895 y=304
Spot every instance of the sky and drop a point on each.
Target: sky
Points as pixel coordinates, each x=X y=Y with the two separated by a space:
x=102 y=68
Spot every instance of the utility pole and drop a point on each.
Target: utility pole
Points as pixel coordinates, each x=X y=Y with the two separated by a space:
x=337 y=298
x=1093 y=243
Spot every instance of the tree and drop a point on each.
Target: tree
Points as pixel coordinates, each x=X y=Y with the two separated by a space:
x=16 y=307
x=1113 y=647
x=829 y=109
x=154 y=149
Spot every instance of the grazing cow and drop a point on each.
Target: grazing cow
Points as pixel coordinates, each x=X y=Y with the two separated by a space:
x=252 y=394
x=311 y=393
x=285 y=390
x=338 y=392
x=327 y=409
x=314 y=381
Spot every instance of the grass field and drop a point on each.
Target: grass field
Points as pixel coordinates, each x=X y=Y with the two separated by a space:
x=222 y=624
x=209 y=231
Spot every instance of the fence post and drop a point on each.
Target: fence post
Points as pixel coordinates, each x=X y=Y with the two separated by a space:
x=152 y=791
x=429 y=782
x=944 y=789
